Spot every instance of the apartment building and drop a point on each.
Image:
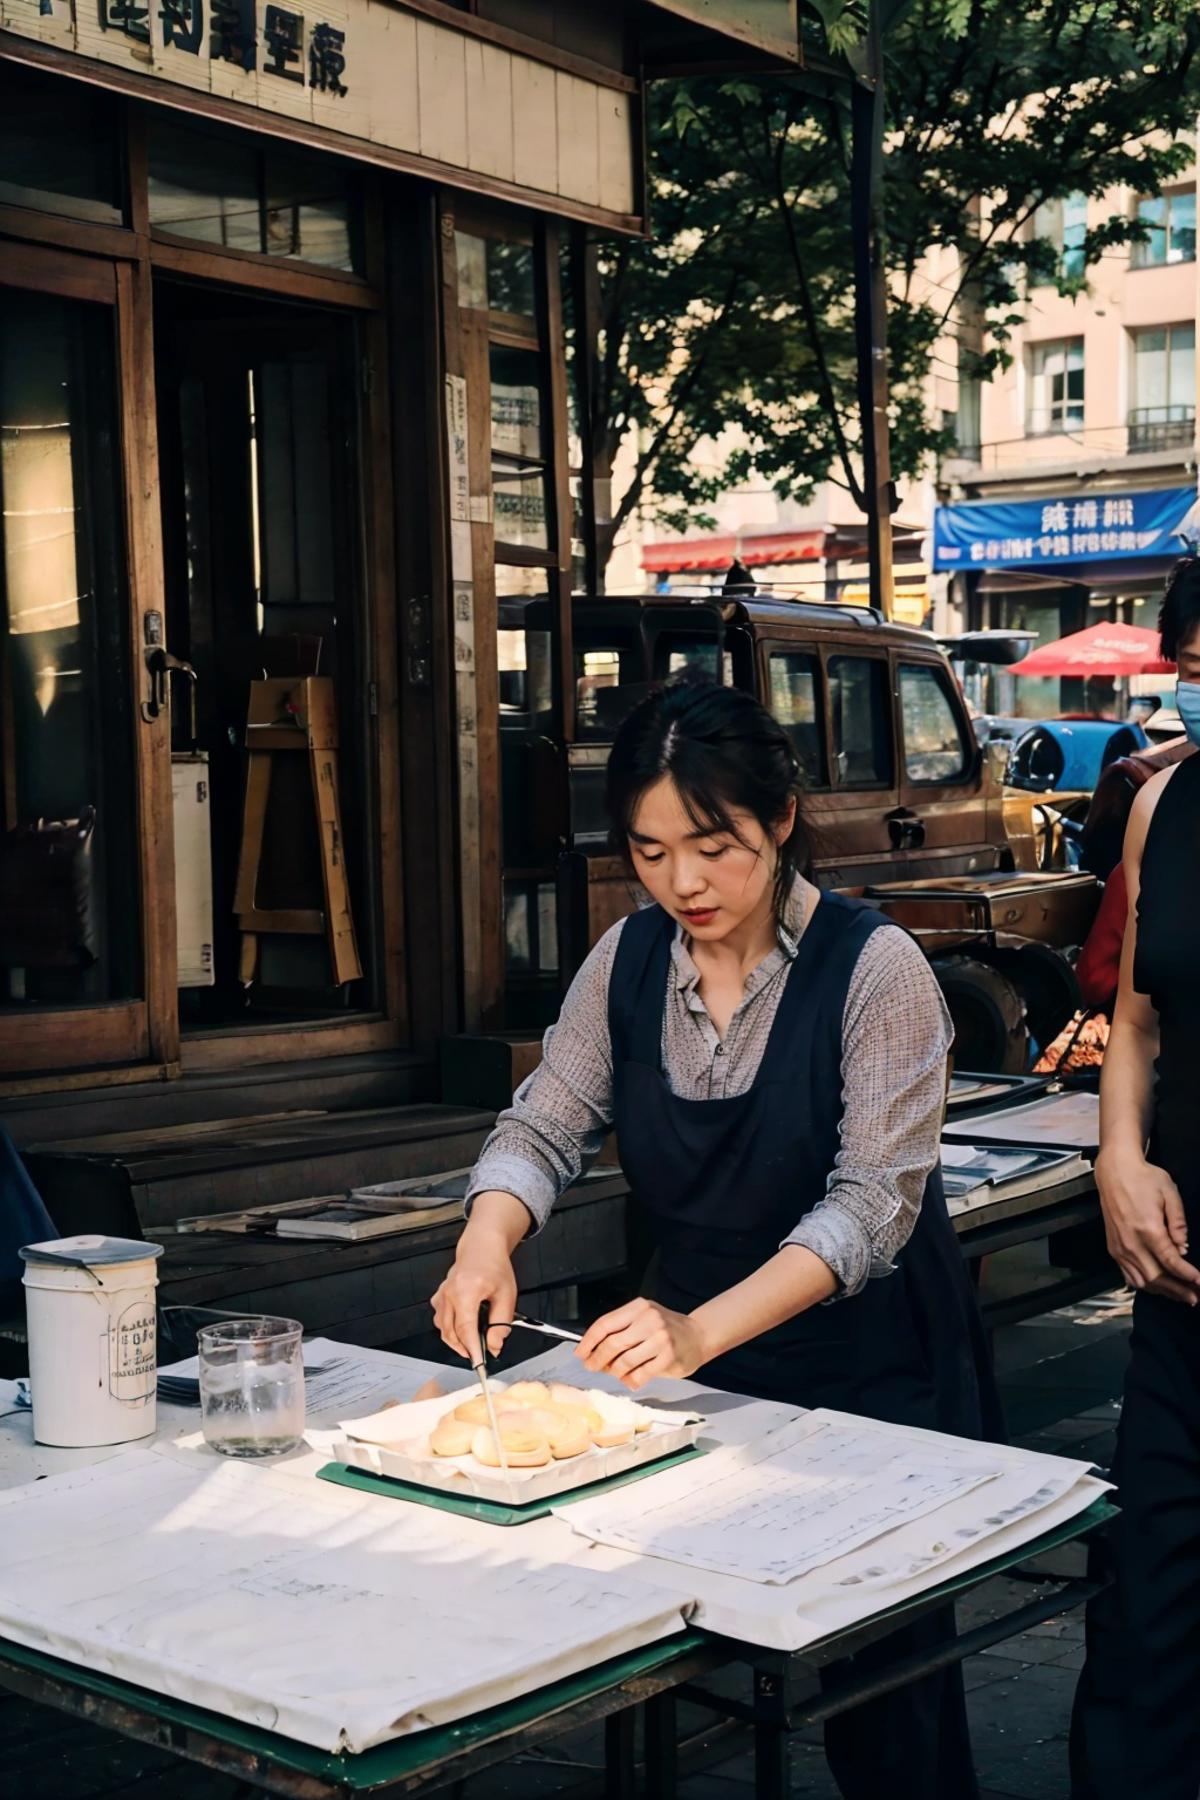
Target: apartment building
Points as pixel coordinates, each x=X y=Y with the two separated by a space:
x=1076 y=466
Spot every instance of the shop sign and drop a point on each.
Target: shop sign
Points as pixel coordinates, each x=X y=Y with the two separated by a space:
x=291 y=47
x=395 y=85
x=1062 y=528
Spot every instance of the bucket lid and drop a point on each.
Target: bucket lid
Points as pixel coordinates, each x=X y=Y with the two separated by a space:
x=89 y=1250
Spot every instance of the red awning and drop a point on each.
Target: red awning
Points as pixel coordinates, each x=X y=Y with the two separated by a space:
x=1099 y=650
x=755 y=549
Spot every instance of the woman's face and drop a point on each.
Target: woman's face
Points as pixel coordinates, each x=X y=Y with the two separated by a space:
x=707 y=880
x=1189 y=658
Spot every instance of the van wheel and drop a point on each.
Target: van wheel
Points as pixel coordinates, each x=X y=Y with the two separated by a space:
x=990 y=1032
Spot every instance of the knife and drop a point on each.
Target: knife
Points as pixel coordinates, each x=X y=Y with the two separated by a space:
x=480 y=1369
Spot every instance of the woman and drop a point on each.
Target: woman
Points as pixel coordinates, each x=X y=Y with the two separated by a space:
x=774 y=1061
x=1137 y=1713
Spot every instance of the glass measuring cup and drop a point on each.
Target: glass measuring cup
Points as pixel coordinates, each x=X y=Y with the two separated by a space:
x=252 y=1386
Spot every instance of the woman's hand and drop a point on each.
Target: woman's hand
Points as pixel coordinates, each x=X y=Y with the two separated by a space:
x=643 y=1340
x=482 y=1271
x=1145 y=1226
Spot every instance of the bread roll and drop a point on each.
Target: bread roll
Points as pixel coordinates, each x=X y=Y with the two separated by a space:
x=620 y=1418
x=526 y=1393
x=563 y=1394
x=567 y=1429
x=474 y=1411
x=525 y=1445
x=452 y=1437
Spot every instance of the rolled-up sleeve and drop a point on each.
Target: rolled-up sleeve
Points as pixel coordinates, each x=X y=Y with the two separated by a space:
x=559 y=1116
x=896 y=1036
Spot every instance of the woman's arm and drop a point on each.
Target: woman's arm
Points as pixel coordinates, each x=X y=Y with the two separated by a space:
x=643 y=1340
x=896 y=1035
x=1143 y=1212
x=553 y=1129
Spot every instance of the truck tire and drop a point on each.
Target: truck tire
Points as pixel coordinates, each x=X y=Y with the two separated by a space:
x=1047 y=983
x=990 y=1032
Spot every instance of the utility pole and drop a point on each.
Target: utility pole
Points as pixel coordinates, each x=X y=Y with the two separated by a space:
x=870 y=310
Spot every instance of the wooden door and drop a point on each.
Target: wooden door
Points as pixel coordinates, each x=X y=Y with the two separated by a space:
x=87 y=932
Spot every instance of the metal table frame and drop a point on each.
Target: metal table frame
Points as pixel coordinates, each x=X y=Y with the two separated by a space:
x=648 y=1681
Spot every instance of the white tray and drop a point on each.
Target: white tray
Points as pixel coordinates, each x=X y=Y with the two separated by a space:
x=521 y=1487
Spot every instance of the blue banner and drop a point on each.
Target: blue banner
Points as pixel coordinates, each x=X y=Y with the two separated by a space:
x=1036 y=534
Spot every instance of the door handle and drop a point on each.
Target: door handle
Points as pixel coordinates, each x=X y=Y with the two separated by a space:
x=906 y=828
x=162 y=665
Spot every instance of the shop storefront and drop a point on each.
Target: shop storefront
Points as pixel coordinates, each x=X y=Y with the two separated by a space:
x=285 y=418
x=1054 y=564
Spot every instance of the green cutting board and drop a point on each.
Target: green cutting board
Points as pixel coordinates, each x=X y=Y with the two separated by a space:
x=493 y=1512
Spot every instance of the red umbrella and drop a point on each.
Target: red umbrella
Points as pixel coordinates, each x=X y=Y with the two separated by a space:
x=1099 y=650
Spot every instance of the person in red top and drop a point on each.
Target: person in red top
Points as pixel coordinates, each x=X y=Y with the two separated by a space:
x=1099 y=967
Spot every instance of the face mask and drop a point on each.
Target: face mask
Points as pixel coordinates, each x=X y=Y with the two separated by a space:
x=1187 y=704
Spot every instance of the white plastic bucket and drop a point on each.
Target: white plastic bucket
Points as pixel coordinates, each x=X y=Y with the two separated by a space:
x=91 y=1317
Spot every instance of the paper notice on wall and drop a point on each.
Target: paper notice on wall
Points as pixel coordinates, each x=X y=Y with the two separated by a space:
x=800 y=1498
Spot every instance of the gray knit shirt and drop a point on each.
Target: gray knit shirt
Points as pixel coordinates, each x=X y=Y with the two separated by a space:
x=895 y=1038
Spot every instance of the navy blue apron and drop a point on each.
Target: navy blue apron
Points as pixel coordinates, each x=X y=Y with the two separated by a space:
x=721 y=1184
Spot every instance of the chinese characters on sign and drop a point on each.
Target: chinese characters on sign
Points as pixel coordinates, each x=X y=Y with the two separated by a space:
x=1035 y=533
x=233 y=37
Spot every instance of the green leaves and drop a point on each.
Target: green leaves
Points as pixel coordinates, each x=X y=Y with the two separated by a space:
x=728 y=342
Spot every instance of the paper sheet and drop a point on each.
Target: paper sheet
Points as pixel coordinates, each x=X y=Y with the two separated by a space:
x=337 y=1619
x=810 y=1492
x=1057 y=1121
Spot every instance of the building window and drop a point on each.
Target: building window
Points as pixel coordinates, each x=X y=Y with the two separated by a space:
x=242 y=194
x=61 y=148
x=1170 y=220
x=1163 y=413
x=1064 y=223
x=1056 y=386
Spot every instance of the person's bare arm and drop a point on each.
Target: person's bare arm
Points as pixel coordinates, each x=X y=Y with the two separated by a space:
x=1143 y=1213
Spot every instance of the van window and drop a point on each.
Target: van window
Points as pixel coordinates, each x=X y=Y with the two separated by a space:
x=933 y=745
x=795 y=704
x=609 y=682
x=860 y=705
x=697 y=656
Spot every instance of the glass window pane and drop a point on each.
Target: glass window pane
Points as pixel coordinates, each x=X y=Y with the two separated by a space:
x=471 y=255
x=794 y=703
x=1150 y=368
x=511 y=287
x=516 y=402
x=513 y=581
x=1182 y=247
x=309 y=210
x=859 y=702
x=608 y=685
x=525 y=671
x=1152 y=213
x=1074 y=232
x=1181 y=369
x=677 y=655
x=204 y=187
x=68 y=930
x=519 y=499
x=933 y=746
x=519 y=928
x=235 y=192
x=60 y=146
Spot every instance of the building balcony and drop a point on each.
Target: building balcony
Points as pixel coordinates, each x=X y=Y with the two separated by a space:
x=1161 y=428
